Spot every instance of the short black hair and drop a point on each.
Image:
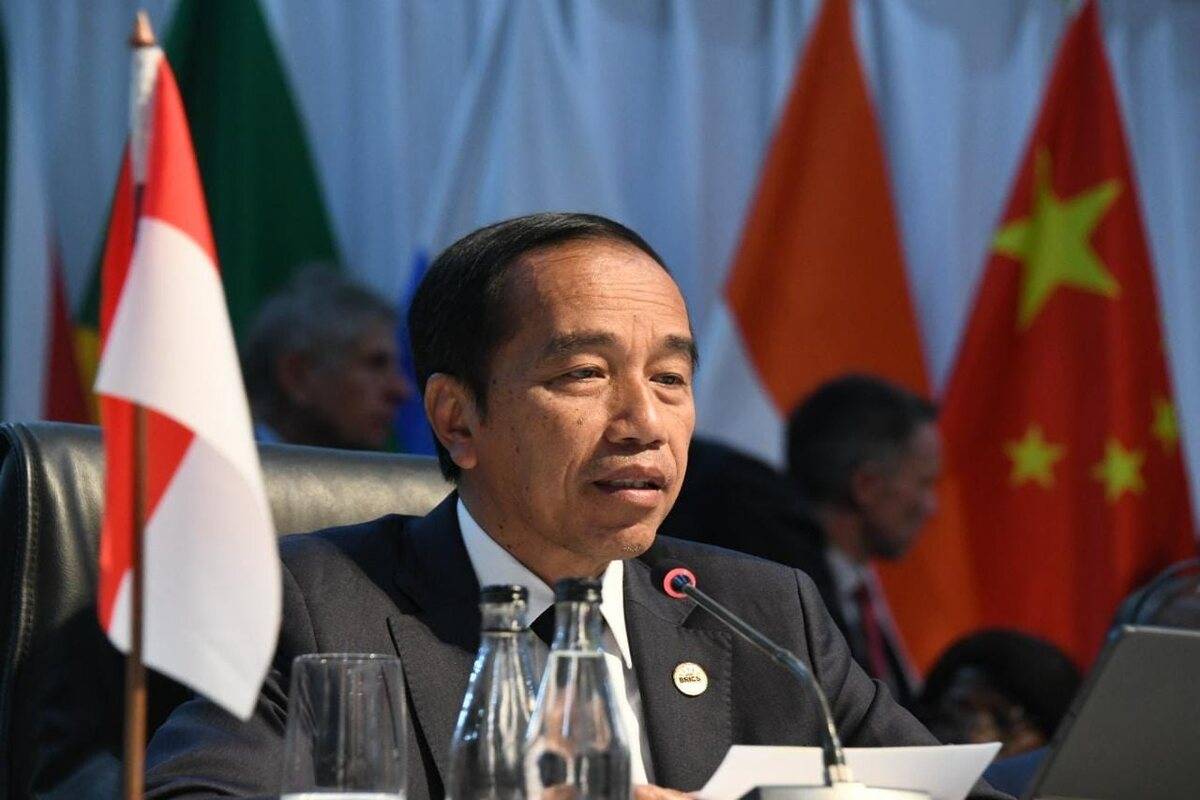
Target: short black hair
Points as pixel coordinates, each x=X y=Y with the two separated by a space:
x=1030 y=672
x=844 y=423
x=458 y=315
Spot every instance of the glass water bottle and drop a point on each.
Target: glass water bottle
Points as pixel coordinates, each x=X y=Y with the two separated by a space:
x=576 y=748
x=486 y=752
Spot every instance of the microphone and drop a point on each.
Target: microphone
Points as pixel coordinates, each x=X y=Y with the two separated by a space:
x=677 y=582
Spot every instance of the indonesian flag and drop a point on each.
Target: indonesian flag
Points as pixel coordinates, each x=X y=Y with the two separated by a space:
x=212 y=574
x=1059 y=419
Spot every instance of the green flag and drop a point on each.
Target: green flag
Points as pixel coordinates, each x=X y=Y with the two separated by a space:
x=264 y=199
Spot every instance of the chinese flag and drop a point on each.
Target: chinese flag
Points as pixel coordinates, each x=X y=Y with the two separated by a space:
x=1059 y=420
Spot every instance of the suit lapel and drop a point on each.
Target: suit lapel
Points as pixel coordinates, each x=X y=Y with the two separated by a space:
x=688 y=735
x=436 y=635
x=437 y=641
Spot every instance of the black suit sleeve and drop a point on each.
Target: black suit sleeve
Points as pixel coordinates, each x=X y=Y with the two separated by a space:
x=864 y=710
x=203 y=751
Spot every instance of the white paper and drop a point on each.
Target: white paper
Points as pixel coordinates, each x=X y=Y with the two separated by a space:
x=945 y=773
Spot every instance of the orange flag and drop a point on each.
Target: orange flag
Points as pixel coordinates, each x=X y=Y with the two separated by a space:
x=1059 y=418
x=819 y=286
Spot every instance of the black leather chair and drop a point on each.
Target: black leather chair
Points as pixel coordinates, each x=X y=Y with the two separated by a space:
x=62 y=682
x=1170 y=600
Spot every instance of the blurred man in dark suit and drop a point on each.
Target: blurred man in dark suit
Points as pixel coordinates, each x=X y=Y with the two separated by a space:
x=731 y=499
x=865 y=456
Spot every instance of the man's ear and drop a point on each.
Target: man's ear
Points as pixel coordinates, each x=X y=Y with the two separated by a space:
x=865 y=483
x=454 y=418
x=293 y=376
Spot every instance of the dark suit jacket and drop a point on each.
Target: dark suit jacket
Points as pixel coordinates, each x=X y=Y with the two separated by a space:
x=733 y=500
x=730 y=499
x=405 y=585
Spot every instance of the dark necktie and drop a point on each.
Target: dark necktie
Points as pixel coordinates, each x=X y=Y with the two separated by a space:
x=877 y=660
x=543 y=626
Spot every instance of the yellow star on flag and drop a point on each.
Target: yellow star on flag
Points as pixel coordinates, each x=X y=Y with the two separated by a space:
x=1033 y=459
x=1120 y=470
x=1165 y=426
x=1053 y=242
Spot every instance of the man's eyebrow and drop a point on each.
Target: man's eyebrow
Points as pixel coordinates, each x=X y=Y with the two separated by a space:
x=566 y=344
x=685 y=345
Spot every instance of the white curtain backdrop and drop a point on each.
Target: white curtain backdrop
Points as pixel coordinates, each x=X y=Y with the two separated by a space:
x=430 y=117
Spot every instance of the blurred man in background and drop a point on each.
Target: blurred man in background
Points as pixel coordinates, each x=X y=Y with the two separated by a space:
x=733 y=500
x=865 y=456
x=999 y=686
x=321 y=364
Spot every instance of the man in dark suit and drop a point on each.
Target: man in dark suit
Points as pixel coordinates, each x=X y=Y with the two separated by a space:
x=731 y=499
x=864 y=456
x=556 y=358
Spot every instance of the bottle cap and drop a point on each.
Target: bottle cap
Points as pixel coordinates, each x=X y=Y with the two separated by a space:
x=577 y=590
x=503 y=593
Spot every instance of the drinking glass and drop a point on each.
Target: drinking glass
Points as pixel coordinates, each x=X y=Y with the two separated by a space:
x=346 y=731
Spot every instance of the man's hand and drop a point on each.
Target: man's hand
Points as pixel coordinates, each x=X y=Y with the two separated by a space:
x=648 y=791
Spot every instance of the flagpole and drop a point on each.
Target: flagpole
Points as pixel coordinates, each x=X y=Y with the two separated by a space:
x=143 y=68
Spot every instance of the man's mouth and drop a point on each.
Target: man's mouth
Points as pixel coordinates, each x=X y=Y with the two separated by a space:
x=629 y=484
x=638 y=487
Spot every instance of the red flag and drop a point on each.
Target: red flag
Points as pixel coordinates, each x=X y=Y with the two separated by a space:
x=1059 y=418
x=64 y=398
x=212 y=585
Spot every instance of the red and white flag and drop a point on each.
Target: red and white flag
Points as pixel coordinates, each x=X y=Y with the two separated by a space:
x=212 y=574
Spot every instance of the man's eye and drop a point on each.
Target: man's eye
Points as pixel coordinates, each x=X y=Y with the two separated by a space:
x=671 y=379
x=583 y=373
x=379 y=362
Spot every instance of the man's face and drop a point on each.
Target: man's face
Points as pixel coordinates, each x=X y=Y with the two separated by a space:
x=583 y=445
x=974 y=711
x=356 y=394
x=901 y=497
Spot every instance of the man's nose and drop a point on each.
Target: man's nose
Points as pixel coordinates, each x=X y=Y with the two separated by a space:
x=636 y=418
x=398 y=388
x=930 y=504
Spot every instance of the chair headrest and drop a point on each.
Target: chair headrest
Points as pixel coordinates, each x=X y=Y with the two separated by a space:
x=1171 y=599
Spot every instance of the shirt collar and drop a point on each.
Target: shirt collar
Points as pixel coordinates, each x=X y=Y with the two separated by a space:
x=265 y=434
x=493 y=564
x=848 y=575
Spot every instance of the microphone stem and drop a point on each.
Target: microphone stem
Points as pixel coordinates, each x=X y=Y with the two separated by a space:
x=836 y=769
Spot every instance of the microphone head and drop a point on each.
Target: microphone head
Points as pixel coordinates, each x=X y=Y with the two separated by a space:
x=671 y=577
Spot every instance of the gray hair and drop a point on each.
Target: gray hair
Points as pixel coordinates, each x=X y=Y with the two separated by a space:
x=319 y=313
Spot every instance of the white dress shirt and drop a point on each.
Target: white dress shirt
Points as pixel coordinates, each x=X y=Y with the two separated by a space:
x=848 y=575
x=495 y=565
